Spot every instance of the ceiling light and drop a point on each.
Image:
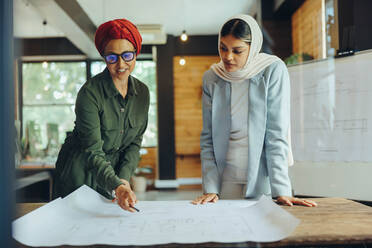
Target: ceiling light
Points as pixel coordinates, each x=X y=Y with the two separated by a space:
x=184 y=36
x=182 y=61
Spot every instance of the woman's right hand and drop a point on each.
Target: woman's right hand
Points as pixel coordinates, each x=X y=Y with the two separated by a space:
x=209 y=197
x=125 y=197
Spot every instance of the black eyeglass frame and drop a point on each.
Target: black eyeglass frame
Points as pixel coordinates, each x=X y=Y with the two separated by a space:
x=121 y=55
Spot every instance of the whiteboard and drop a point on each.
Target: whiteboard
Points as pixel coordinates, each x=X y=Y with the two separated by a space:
x=331 y=119
x=331 y=109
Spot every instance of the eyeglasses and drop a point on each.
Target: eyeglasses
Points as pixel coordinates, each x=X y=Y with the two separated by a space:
x=112 y=58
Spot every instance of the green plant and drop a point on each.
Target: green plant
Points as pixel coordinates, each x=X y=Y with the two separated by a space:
x=298 y=58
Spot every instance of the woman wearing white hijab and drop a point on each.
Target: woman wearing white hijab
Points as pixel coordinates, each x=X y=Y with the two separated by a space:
x=245 y=142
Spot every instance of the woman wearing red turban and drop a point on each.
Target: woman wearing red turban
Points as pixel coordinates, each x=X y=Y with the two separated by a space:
x=111 y=117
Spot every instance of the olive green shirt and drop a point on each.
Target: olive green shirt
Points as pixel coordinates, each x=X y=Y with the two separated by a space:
x=104 y=145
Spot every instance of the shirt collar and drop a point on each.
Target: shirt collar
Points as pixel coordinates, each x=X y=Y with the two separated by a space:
x=110 y=89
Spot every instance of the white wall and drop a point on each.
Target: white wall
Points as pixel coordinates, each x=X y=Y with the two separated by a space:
x=347 y=180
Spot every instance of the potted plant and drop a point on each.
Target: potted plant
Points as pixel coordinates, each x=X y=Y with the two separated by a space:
x=139 y=180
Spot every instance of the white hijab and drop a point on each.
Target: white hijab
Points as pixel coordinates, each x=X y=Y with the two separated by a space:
x=255 y=63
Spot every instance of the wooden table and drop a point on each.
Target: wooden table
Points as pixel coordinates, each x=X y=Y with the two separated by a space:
x=336 y=222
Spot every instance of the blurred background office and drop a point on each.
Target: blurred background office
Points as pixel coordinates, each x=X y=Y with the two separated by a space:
x=54 y=54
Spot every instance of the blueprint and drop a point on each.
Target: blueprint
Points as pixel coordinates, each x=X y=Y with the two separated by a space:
x=86 y=218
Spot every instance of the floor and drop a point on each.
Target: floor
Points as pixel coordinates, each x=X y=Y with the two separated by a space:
x=168 y=195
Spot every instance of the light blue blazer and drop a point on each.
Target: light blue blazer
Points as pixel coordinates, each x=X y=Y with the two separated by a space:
x=268 y=126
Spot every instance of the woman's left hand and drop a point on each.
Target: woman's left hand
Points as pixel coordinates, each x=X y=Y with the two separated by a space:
x=290 y=201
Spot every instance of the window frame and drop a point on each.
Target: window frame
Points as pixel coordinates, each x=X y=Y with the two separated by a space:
x=88 y=63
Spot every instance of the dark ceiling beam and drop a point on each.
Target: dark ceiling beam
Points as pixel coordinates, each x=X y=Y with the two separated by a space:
x=77 y=28
x=78 y=15
x=279 y=9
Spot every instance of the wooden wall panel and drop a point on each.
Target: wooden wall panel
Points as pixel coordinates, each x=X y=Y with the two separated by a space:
x=188 y=166
x=188 y=112
x=308 y=29
x=188 y=102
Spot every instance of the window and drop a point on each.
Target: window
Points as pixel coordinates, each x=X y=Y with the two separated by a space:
x=49 y=91
x=145 y=71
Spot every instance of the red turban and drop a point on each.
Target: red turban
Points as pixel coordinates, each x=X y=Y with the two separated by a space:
x=117 y=29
